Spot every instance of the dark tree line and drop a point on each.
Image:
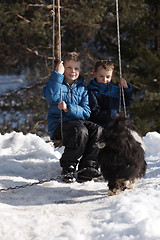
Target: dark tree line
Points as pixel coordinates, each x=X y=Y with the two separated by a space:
x=88 y=26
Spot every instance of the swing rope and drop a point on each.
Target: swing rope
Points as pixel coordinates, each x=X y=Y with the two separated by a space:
x=122 y=98
x=59 y=49
x=57 y=143
x=59 y=29
x=53 y=33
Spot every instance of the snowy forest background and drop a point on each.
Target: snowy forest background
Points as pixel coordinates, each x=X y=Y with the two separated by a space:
x=89 y=27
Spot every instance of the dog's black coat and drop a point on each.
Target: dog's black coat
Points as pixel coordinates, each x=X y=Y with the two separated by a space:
x=121 y=157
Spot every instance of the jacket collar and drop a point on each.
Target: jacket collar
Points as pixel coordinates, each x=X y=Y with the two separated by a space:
x=78 y=81
x=94 y=85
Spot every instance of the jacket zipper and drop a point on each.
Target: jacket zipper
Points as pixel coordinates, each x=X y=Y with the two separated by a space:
x=70 y=94
x=70 y=87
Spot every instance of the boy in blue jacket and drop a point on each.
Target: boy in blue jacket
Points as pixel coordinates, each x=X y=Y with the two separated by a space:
x=104 y=96
x=79 y=135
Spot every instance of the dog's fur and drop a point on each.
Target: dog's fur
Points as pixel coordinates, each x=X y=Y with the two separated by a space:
x=121 y=155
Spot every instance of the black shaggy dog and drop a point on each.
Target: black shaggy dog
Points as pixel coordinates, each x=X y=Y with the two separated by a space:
x=121 y=155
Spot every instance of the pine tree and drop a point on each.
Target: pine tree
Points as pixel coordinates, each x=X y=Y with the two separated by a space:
x=25 y=34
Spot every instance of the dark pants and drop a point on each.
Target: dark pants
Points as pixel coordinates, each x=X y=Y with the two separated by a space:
x=79 y=138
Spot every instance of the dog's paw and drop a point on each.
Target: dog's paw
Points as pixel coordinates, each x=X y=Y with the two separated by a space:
x=122 y=187
x=114 y=192
x=130 y=184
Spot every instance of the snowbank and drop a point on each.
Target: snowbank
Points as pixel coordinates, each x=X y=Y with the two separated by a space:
x=56 y=210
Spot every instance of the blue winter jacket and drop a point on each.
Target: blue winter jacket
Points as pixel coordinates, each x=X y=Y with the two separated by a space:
x=75 y=96
x=104 y=101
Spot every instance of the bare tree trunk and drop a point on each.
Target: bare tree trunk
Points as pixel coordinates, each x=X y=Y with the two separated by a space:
x=57 y=32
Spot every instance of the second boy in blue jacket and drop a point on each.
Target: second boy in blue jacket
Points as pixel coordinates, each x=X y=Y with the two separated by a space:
x=104 y=96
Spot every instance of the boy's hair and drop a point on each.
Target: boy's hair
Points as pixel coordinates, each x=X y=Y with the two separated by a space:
x=71 y=56
x=106 y=64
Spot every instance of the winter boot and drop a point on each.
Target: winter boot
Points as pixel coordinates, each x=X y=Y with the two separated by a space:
x=68 y=175
x=87 y=174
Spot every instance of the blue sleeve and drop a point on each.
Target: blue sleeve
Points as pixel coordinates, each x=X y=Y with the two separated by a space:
x=52 y=89
x=128 y=93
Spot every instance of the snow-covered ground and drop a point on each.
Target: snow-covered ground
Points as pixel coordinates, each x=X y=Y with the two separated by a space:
x=76 y=211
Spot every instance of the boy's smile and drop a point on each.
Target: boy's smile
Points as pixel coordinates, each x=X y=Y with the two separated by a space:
x=72 y=70
x=103 y=75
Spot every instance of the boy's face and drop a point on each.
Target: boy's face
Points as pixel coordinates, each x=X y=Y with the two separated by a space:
x=72 y=70
x=103 y=75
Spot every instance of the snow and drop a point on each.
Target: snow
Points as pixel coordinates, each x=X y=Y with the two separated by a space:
x=12 y=82
x=56 y=210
